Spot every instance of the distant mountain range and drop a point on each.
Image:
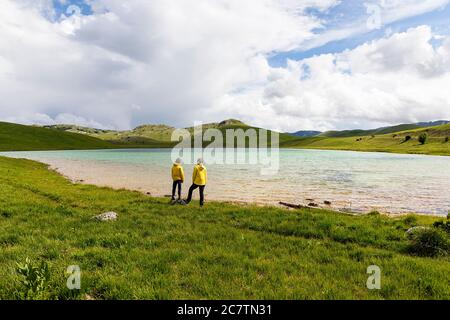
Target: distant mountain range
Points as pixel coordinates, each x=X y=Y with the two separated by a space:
x=378 y=131
x=433 y=123
x=305 y=133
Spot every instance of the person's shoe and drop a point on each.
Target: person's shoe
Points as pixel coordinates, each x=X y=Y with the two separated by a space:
x=173 y=201
x=182 y=202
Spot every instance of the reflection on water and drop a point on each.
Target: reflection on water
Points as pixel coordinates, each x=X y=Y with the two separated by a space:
x=349 y=180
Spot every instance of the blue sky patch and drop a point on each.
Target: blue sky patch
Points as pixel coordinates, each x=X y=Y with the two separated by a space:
x=342 y=15
x=60 y=8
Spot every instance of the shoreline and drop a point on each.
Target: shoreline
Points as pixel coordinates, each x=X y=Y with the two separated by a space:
x=281 y=148
x=155 y=181
x=241 y=202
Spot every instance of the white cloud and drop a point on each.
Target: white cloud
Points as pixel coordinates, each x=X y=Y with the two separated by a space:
x=402 y=78
x=172 y=61
x=378 y=13
x=62 y=118
x=172 y=58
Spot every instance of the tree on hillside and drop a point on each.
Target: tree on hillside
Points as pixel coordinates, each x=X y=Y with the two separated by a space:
x=423 y=138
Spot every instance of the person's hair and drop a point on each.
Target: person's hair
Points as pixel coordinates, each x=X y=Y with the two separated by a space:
x=200 y=161
x=179 y=161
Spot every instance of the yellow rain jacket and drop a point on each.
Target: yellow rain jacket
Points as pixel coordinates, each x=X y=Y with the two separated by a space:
x=177 y=172
x=199 y=177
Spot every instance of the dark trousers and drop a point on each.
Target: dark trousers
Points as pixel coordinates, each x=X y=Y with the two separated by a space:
x=175 y=185
x=201 y=189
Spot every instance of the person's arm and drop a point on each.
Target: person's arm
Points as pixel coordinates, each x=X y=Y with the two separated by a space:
x=182 y=174
x=206 y=176
x=194 y=174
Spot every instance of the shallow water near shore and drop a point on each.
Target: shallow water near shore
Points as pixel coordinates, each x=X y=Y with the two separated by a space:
x=351 y=181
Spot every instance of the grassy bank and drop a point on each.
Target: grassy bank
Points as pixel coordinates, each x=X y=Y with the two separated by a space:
x=158 y=251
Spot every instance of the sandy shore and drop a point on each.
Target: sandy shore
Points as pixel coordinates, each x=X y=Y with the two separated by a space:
x=157 y=183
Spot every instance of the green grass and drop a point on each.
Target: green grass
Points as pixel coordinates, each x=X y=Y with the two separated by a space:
x=394 y=142
x=16 y=137
x=19 y=137
x=223 y=251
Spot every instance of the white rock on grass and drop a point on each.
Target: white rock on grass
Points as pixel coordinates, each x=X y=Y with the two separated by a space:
x=412 y=230
x=107 y=216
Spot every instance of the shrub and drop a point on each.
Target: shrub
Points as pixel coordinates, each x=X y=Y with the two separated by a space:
x=5 y=213
x=444 y=225
x=429 y=242
x=407 y=138
x=34 y=278
x=410 y=220
x=423 y=138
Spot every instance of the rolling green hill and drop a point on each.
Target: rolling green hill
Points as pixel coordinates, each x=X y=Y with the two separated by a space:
x=357 y=133
x=437 y=143
x=383 y=130
x=390 y=139
x=19 y=137
x=235 y=125
x=152 y=136
x=16 y=137
x=160 y=133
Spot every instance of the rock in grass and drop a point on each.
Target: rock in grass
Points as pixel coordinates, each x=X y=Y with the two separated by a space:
x=107 y=216
x=413 y=230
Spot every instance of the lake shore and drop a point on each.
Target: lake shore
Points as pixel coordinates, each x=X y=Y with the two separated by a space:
x=156 y=182
x=118 y=177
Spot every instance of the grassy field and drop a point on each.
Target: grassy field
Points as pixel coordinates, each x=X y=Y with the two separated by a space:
x=437 y=143
x=16 y=137
x=19 y=137
x=158 y=251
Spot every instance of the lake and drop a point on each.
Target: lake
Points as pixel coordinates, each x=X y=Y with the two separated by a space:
x=351 y=181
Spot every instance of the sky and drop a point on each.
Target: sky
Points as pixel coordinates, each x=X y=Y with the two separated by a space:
x=287 y=65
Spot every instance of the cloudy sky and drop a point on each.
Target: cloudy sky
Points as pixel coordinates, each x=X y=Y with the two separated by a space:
x=282 y=64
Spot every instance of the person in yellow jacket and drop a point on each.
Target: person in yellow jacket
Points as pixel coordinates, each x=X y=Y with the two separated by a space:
x=199 y=180
x=178 y=178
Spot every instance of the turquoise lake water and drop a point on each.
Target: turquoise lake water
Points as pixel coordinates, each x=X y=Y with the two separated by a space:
x=352 y=181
